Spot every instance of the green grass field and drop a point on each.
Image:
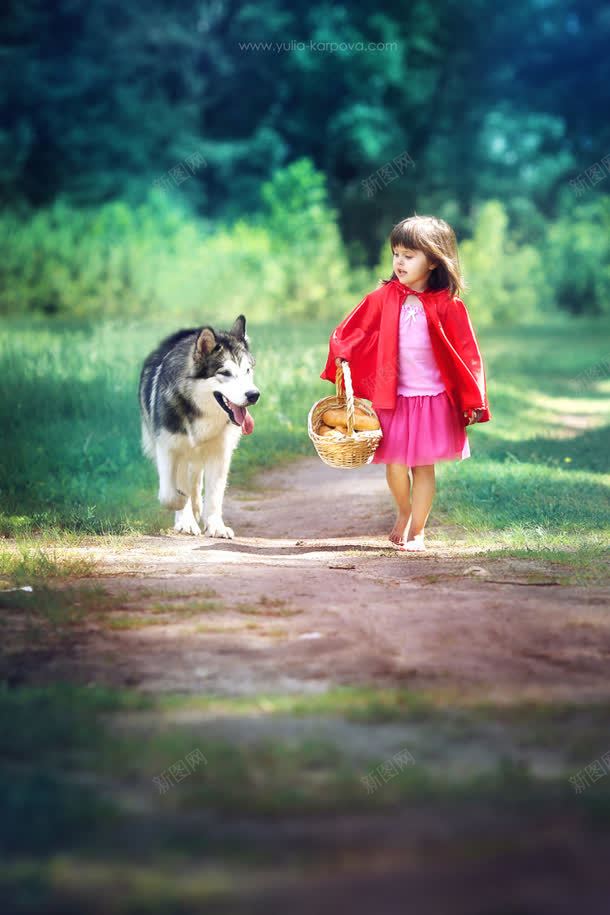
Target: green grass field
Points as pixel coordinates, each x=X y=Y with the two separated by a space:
x=71 y=462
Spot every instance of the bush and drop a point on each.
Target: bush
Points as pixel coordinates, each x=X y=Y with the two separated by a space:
x=577 y=254
x=505 y=280
x=288 y=259
x=89 y=262
x=307 y=244
x=157 y=258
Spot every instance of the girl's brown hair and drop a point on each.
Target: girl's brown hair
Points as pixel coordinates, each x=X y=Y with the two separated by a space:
x=437 y=240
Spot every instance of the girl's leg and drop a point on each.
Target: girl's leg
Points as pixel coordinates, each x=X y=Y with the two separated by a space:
x=397 y=476
x=424 y=486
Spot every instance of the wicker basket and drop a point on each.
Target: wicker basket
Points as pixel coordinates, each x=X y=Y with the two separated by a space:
x=337 y=449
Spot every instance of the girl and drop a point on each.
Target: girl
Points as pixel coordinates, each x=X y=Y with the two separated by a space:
x=413 y=352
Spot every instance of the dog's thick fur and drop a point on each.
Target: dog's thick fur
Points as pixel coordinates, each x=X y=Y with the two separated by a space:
x=195 y=389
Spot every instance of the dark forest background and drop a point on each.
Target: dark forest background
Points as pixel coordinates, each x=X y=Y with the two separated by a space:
x=150 y=153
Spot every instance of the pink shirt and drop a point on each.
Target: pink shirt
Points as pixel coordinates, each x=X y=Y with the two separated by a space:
x=418 y=372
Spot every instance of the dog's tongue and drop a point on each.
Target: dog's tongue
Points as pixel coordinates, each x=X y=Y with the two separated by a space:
x=248 y=424
x=243 y=418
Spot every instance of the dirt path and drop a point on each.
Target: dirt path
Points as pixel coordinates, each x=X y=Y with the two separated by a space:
x=310 y=594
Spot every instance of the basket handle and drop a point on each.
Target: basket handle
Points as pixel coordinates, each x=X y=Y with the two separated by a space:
x=343 y=374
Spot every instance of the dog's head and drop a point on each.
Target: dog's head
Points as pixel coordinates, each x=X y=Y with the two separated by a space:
x=224 y=366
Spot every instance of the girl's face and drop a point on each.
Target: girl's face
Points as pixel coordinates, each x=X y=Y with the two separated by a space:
x=412 y=267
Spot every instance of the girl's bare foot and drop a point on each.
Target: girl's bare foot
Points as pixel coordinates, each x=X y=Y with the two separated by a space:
x=415 y=544
x=397 y=533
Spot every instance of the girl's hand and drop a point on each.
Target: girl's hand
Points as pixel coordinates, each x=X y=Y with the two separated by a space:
x=338 y=361
x=473 y=416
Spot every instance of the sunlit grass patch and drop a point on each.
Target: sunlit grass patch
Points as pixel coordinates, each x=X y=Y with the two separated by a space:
x=98 y=884
x=24 y=564
x=268 y=606
x=133 y=621
x=135 y=610
x=184 y=607
x=582 y=561
x=354 y=703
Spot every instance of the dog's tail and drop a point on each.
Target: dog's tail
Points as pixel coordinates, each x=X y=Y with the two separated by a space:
x=148 y=444
x=148 y=441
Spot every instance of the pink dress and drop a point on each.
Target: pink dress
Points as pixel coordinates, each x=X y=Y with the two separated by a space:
x=424 y=427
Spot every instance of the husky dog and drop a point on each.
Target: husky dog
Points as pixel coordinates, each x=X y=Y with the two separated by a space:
x=195 y=389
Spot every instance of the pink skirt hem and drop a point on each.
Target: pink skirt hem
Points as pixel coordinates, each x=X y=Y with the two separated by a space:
x=422 y=429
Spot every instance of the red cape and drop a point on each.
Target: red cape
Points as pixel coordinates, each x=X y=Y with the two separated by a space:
x=368 y=339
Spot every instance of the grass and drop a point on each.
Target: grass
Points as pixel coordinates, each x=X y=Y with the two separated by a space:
x=68 y=393
x=131 y=621
x=77 y=792
x=47 y=735
x=53 y=736
x=49 y=609
x=25 y=565
x=161 y=614
x=268 y=606
x=354 y=703
x=74 y=467
x=524 y=476
x=82 y=814
x=44 y=619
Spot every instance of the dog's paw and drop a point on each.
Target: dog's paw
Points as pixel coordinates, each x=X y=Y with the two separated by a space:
x=173 y=499
x=215 y=527
x=187 y=526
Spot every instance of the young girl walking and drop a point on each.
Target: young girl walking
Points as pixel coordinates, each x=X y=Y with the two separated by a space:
x=413 y=353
